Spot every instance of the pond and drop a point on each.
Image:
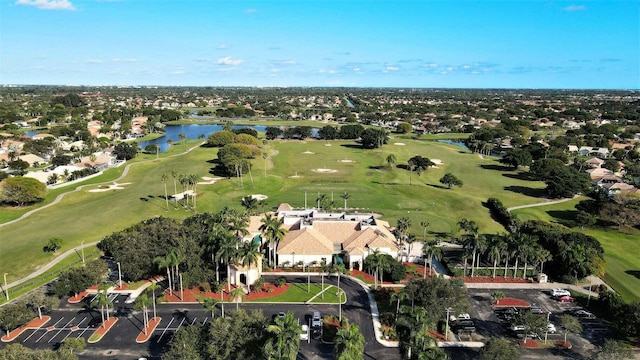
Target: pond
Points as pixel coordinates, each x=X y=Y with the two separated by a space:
x=192 y=132
x=454 y=142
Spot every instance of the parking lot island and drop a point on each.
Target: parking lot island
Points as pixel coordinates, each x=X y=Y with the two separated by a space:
x=147 y=332
x=36 y=323
x=102 y=330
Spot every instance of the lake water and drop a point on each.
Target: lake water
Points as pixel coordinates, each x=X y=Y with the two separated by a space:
x=192 y=132
x=454 y=142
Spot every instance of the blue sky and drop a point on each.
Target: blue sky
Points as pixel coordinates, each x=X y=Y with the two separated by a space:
x=450 y=44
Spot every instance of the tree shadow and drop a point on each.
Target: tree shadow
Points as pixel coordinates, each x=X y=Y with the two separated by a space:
x=564 y=217
x=386 y=183
x=352 y=146
x=378 y=167
x=496 y=167
x=635 y=273
x=522 y=175
x=439 y=186
x=538 y=193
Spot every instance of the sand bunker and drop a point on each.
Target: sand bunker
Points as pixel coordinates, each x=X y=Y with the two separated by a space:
x=295 y=176
x=114 y=186
x=259 y=197
x=208 y=180
x=347 y=161
x=324 y=170
x=401 y=144
x=327 y=144
x=309 y=152
x=437 y=161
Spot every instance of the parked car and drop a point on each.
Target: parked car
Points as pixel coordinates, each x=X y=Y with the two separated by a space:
x=560 y=292
x=566 y=298
x=316 y=320
x=537 y=310
x=518 y=328
x=551 y=328
x=304 y=333
x=460 y=317
x=95 y=322
x=583 y=314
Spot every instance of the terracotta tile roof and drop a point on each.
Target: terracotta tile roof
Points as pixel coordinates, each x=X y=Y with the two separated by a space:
x=307 y=241
x=284 y=207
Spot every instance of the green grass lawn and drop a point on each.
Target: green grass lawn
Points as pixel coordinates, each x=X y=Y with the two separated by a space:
x=297 y=292
x=621 y=248
x=372 y=186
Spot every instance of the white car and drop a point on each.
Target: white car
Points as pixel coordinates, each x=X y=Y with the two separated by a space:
x=304 y=334
x=518 y=328
x=460 y=317
x=551 y=328
x=560 y=292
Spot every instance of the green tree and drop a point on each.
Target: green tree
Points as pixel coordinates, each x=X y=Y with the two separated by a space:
x=250 y=204
x=210 y=305
x=124 y=151
x=103 y=301
x=142 y=303
x=345 y=196
x=164 y=179
x=273 y=231
x=391 y=160
x=53 y=245
x=237 y=294
x=21 y=191
x=404 y=128
x=615 y=350
x=250 y=255
x=283 y=342
x=499 y=349
x=570 y=324
x=450 y=179
x=373 y=138
x=348 y=342
x=429 y=252
x=15 y=315
x=517 y=157
x=71 y=345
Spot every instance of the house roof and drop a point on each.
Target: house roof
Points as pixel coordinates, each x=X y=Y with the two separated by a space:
x=306 y=241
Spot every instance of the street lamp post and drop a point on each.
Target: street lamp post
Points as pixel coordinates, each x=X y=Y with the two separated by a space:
x=82 y=250
x=446 y=328
x=6 y=290
x=119 y=275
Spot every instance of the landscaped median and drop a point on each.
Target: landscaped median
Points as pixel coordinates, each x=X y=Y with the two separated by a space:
x=36 y=323
x=102 y=330
x=147 y=332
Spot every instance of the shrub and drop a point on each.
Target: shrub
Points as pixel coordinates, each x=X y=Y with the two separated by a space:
x=258 y=285
x=500 y=214
x=280 y=281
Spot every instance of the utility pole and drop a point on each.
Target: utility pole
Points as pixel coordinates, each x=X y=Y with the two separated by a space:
x=6 y=289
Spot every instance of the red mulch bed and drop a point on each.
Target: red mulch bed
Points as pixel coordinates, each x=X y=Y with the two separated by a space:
x=531 y=344
x=511 y=302
x=33 y=324
x=106 y=326
x=489 y=279
x=76 y=299
x=153 y=324
x=193 y=294
x=562 y=344
x=436 y=335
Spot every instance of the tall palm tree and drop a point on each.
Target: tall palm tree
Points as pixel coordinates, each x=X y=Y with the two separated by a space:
x=398 y=296
x=430 y=251
x=265 y=156
x=345 y=196
x=142 y=303
x=377 y=261
x=176 y=259
x=250 y=255
x=103 y=301
x=480 y=247
x=284 y=340
x=152 y=288
x=273 y=232
x=182 y=136
x=321 y=200
x=348 y=342
x=324 y=268
x=237 y=294
x=227 y=251
x=174 y=175
x=497 y=246
x=469 y=240
x=164 y=262
x=166 y=196
x=425 y=224
x=250 y=204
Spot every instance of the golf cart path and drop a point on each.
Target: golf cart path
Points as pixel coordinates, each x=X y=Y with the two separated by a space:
x=62 y=256
x=61 y=196
x=542 y=203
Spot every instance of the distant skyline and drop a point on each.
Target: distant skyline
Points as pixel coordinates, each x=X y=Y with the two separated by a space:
x=354 y=43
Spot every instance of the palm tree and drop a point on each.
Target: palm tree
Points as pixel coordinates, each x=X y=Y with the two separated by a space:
x=166 y=196
x=152 y=288
x=348 y=342
x=142 y=303
x=163 y=262
x=391 y=159
x=424 y=224
x=339 y=269
x=324 y=268
x=174 y=175
x=496 y=250
x=430 y=251
x=481 y=246
x=237 y=294
x=227 y=251
x=320 y=200
x=273 y=232
x=265 y=156
x=284 y=342
x=379 y=262
x=209 y=304
x=176 y=259
x=399 y=296
x=103 y=301
x=345 y=196
x=250 y=254
x=250 y=204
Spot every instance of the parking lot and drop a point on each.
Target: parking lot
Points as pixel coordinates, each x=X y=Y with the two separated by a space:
x=488 y=324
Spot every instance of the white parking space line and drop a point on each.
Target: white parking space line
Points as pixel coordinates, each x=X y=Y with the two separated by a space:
x=204 y=321
x=194 y=321
x=33 y=333
x=62 y=329
x=71 y=332
x=165 y=329
x=45 y=333
x=181 y=322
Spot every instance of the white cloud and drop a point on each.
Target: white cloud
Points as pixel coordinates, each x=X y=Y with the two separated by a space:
x=392 y=68
x=575 y=8
x=48 y=4
x=227 y=60
x=223 y=46
x=431 y=65
x=250 y=11
x=118 y=60
x=327 y=71
x=93 y=61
